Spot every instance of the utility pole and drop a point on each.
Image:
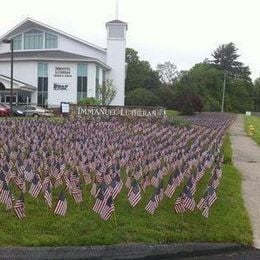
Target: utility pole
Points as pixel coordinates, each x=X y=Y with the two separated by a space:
x=224 y=90
x=12 y=70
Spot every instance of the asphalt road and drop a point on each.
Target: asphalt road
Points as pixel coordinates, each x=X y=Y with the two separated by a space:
x=135 y=251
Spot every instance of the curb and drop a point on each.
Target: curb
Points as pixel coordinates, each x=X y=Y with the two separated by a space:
x=129 y=251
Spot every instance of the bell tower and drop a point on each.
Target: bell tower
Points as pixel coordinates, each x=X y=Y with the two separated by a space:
x=116 y=48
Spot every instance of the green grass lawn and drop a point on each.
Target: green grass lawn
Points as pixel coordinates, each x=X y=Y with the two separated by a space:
x=172 y=113
x=255 y=121
x=228 y=221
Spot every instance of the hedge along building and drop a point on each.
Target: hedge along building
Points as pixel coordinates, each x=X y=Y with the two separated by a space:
x=51 y=66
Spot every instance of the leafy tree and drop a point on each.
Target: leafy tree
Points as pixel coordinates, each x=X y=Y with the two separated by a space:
x=256 y=95
x=141 y=97
x=139 y=73
x=167 y=72
x=240 y=96
x=166 y=97
x=152 y=82
x=187 y=108
x=107 y=92
x=196 y=102
x=202 y=80
x=225 y=58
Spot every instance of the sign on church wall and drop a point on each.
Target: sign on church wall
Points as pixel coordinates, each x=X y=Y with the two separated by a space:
x=62 y=72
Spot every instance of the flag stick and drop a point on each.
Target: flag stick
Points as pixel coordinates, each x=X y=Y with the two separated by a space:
x=206 y=224
x=115 y=219
x=182 y=226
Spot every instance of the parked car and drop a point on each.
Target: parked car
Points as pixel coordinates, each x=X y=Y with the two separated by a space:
x=7 y=109
x=35 y=111
x=17 y=112
x=4 y=110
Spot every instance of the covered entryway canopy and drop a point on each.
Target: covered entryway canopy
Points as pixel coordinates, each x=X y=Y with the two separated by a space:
x=21 y=90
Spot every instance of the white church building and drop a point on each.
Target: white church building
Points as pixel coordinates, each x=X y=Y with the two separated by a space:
x=51 y=66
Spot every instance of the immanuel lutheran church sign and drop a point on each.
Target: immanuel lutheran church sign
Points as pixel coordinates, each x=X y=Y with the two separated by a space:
x=104 y=111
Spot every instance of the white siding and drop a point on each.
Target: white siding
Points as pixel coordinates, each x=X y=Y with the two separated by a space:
x=116 y=60
x=70 y=45
x=4 y=47
x=57 y=96
x=25 y=71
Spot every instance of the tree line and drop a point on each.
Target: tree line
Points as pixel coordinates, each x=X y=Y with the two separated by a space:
x=197 y=89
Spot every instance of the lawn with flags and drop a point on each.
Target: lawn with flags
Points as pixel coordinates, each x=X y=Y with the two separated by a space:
x=119 y=181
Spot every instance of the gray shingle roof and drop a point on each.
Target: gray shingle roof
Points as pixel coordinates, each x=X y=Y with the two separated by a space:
x=116 y=22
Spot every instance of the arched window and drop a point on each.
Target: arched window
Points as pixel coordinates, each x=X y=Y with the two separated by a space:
x=2 y=86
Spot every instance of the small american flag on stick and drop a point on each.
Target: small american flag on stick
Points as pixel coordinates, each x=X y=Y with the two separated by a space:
x=107 y=209
x=19 y=207
x=36 y=186
x=61 y=206
x=102 y=197
x=134 y=194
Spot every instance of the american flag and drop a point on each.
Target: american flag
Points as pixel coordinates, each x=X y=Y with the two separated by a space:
x=170 y=187
x=77 y=194
x=19 y=207
x=205 y=211
x=28 y=173
x=191 y=185
x=212 y=196
x=214 y=181
x=102 y=197
x=116 y=186
x=134 y=194
x=156 y=178
x=208 y=198
x=153 y=203
x=184 y=201
x=58 y=180
x=47 y=195
x=188 y=202
x=107 y=178
x=160 y=190
x=36 y=186
x=5 y=194
x=177 y=177
x=46 y=182
x=178 y=206
x=2 y=179
x=107 y=209
x=61 y=206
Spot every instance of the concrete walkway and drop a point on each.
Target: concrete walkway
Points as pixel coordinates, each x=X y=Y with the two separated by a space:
x=246 y=158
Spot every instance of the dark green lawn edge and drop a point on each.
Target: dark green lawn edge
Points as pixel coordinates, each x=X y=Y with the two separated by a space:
x=255 y=121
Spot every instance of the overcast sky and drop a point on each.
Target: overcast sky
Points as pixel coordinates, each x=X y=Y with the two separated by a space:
x=184 y=32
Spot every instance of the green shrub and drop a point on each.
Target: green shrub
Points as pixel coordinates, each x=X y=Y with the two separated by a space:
x=141 y=97
x=89 y=101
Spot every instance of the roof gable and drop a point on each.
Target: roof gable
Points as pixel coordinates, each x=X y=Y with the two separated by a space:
x=29 y=23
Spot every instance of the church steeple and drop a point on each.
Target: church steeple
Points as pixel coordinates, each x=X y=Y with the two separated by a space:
x=116 y=46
